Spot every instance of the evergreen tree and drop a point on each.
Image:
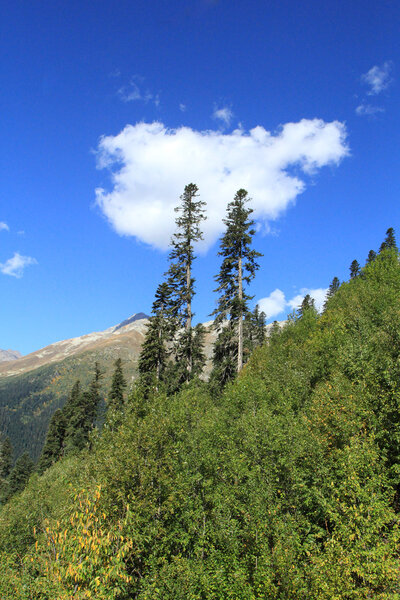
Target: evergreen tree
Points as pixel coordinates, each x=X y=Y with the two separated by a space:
x=333 y=288
x=390 y=241
x=74 y=412
x=176 y=371
x=238 y=268
x=81 y=411
x=160 y=329
x=354 y=269
x=93 y=397
x=224 y=357
x=118 y=385
x=307 y=304
x=20 y=474
x=254 y=330
x=180 y=279
x=54 y=444
x=6 y=452
x=371 y=257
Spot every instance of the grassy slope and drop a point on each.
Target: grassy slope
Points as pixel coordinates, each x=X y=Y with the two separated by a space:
x=286 y=487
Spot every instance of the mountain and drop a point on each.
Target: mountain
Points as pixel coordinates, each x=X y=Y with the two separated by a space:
x=129 y=333
x=35 y=385
x=7 y=355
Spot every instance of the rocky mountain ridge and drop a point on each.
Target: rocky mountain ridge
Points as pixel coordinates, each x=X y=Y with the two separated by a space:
x=7 y=355
x=133 y=328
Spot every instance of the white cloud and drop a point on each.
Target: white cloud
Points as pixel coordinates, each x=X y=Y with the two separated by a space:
x=276 y=303
x=151 y=164
x=368 y=109
x=4 y=226
x=223 y=114
x=182 y=107
x=15 y=266
x=378 y=78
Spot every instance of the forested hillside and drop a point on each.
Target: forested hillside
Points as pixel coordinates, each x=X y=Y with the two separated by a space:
x=27 y=401
x=284 y=486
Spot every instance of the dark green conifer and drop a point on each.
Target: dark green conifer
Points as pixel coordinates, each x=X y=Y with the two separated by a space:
x=74 y=413
x=176 y=374
x=390 y=241
x=6 y=453
x=333 y=288
x=20 y=474
x=354 y=269
x=160 y=329
x=81 y=411
x=307 y=304
x=371 y=257
x=93 y=396
x=54 y=444
x=118 y=385
x=238 y=267
x=224 y=357
x=180 y=279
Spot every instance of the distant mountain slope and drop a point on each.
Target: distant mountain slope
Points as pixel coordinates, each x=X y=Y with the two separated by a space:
x=34 y=386
x=7 y=355
x=133 y=329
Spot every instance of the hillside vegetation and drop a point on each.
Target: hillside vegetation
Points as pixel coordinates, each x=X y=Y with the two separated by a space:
x=284 y=487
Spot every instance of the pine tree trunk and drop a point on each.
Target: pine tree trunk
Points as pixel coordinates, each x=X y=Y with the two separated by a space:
x=189 y=318
x=240 y=318
x=158 y=370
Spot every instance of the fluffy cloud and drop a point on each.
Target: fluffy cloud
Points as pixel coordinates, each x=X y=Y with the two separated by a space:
x=15 y=266
x=150 y=165
x=368 y=109
x=378 y=78
x=223 y=114
x=276 y=303
x=4 y=226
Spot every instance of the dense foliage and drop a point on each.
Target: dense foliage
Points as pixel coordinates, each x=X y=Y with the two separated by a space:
x=285 y=487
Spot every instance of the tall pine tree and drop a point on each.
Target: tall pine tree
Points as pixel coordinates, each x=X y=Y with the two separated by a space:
x=239 y=264
x=180 y=278
x=160 y=330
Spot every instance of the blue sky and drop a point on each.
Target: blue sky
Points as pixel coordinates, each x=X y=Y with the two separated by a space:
x=108 y=109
